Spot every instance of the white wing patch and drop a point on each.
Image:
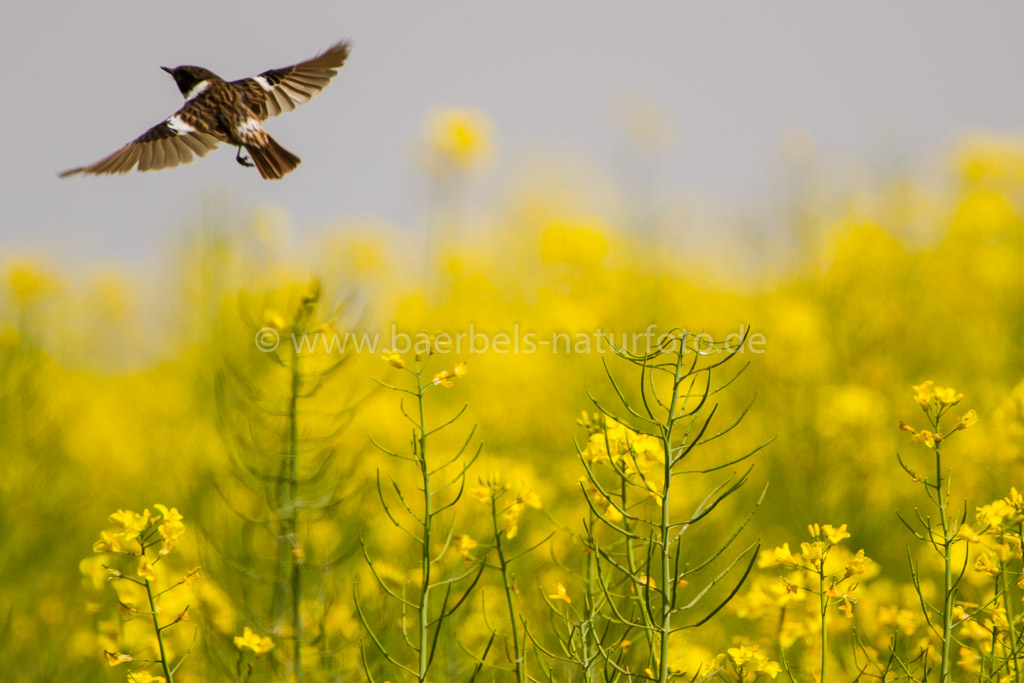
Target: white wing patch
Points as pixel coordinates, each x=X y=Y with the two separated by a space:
x=264 y=83
x=251 y=131
x=197 y=90
x=179 y=126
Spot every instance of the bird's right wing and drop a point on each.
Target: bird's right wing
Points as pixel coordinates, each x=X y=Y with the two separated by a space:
x=165 y=145
x=280 y=90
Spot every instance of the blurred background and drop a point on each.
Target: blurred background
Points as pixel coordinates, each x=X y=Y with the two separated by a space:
x=878 y=88
x=846 y=181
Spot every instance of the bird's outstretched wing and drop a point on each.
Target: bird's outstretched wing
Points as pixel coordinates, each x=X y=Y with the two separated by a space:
x=279 y=90
x=165 y=145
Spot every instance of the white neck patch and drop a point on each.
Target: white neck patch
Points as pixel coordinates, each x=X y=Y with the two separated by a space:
x=178 y=125
x=197 y=90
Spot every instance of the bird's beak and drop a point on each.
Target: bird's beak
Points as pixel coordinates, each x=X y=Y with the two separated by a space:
x=168 y=70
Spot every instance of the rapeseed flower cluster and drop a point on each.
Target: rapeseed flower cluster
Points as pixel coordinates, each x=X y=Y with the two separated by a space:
x=91 y=399
x=136 y=535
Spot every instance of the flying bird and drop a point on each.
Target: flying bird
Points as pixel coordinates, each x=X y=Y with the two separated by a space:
x=218 y=111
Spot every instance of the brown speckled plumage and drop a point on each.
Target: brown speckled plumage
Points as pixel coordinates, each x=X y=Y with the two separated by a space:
x=218 y=111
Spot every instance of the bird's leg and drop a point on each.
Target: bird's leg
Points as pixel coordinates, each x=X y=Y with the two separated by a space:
x=244 y=161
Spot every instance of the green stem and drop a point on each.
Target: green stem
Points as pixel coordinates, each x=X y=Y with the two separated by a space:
x=1011 y=617
x=588 y=614
x=507 y=585
x=424 y=608
x=667 y=579
x=292 y=516
x=631 y=563
x=823 y=604
x=947 y=561
x=168 y=674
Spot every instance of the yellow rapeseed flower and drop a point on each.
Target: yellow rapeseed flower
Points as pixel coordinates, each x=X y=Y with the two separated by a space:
x=146 y=569
x=466 y=543
x=907 y=621
x=393 y=359
x=834 y=535
x=948 y=396
x=752 y=659
x=115 y=658
x=29 y=284
x=441 y=379
x=529 y=498
x=647 y=581
x=602 y=504
x=170 y=527
x=995 y=513
x=560 y=594
x=145 y=677
x=846 y=607
x=596 y=451
x=132 y=523
x=108 y=543
x=857 y=564
x=970 y=660
x=510 y=519
x=1007 y=552
x=968 y=534
x=924 y=392
x=457 y=138
x=813 y=553
x=481 y=493
x=967 y=420
x=740 y=655
x=783 y=555
x=927 y=438
x=254 y=643
x=986 y=564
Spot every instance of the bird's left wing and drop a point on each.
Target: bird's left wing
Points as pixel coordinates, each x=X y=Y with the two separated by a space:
x=280 y=90
x=165 y=145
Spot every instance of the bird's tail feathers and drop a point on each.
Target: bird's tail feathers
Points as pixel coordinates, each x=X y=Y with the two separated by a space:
x=271 y=159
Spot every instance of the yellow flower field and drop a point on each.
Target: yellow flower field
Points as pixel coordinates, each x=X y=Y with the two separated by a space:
x=546 y=438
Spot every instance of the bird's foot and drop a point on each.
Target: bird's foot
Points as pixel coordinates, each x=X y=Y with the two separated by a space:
x=243 y=160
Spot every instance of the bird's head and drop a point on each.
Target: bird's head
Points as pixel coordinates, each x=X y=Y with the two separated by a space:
x=189 y=78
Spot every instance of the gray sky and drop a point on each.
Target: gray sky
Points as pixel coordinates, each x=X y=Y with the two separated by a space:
x=865 y=79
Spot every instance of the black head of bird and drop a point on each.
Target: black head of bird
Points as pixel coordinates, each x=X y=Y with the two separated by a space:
x=188 y=78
